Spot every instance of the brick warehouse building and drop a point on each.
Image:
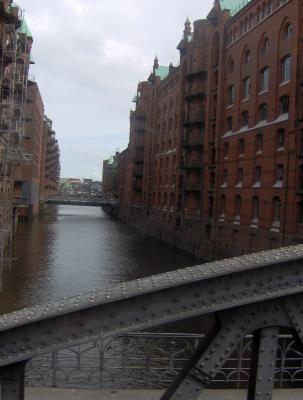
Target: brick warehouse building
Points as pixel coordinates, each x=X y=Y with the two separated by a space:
x=214 y=162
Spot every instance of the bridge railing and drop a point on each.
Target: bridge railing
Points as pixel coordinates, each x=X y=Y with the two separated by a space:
x=153 y=361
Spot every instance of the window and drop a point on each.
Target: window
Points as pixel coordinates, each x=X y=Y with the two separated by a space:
x=244 y=118
x=210 y=207
x=277 y=209
x=255 y=207
x=230 y=95
x=264 y=83
x=224 y=177
x=225 y=149
x=238 y=206
x=284 y=104
x=229 y=123
x=240 y=175
x=212 y=179
x=285 y=69
x=279 y=173
x=258 y=174
x=247 y=56
x=265 y=45
x=246 y=88
x=263 y=112
x=259 y=143
x=280 y=138
x=231 y=66
x=222 y=205
x=241 y=146
x=287 y=31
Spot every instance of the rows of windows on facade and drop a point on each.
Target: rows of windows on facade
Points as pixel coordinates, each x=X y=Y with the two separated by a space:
x=244 y=94
x=262 y=85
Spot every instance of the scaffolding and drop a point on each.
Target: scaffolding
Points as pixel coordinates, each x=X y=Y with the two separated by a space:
x=14 y=64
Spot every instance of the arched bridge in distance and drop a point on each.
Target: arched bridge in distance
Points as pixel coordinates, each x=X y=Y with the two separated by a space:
x=83 y=200
x=258 y=294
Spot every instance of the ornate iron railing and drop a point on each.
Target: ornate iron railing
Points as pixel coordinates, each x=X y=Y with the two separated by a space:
x=152 y=361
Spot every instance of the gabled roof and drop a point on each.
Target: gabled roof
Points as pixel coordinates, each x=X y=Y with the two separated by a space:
x=234 y=6
x=162 y=72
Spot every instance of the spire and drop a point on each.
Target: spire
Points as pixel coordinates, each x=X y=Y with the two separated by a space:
x=187 y=28
x=156 y=63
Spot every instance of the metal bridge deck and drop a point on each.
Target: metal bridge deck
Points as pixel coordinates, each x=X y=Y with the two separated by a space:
x=256 y=294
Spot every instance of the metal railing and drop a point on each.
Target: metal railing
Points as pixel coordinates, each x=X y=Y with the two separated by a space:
x=152 y=360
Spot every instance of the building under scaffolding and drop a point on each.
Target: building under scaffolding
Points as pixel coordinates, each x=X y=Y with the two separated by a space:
x=14 y=65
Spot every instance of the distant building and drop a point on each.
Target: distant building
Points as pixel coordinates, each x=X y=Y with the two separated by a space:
x=110 y=177
x=77 y=186
x=50 y=171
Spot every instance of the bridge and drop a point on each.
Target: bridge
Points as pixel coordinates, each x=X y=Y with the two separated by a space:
x=258 y=294
x=74 y=200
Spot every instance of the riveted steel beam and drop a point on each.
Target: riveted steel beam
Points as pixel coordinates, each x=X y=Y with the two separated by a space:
x=263 y=366
x=151 y=302
x=235 y=326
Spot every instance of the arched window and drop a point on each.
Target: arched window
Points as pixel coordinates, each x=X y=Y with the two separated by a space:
x=264 y=79
x=259 y=142
x=263 y=112
x=277 y=205
x=285 y=68
x=230 y=65
x=246 y=88
x=247 y=56
x=230 y=95
x=287 y=31
x=255 y=207
x=280 y=138
x=244 y=118
x=265 y=45
x=210 y=207
x=237 y=206
x=222 y=205
x=284 y=104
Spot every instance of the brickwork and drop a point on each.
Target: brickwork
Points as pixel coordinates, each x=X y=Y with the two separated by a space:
x=216 y=164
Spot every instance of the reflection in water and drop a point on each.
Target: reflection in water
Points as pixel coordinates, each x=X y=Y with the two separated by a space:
x=77 y=249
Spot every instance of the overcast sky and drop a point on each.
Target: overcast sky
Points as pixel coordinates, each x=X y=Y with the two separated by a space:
x=90 y=56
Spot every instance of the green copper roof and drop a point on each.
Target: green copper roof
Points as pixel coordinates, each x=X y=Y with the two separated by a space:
x=234 y=6
x=25 y=29
x=162 y=72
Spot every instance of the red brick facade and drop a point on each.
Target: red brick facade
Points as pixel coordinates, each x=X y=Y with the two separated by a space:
x=214 y=162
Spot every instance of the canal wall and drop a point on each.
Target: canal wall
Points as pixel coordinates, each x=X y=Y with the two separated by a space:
x=149 y=223
x=224 y=242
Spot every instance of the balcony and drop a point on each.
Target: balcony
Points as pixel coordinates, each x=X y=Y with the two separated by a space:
x=194 y=93
x=137 y=186
x=192 y=164
x=197 y=72
x=190 y=140
x=197 y=118
x=138 y=171
x=138 y=157
x=194 y=186
x=140 y=125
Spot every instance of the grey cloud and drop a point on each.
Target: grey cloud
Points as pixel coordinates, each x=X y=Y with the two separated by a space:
x=90 y=55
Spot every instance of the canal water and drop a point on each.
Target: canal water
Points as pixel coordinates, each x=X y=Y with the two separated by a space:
x=77 y=249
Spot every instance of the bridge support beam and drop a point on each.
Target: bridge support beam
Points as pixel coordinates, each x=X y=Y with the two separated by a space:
x=263 y=318
x=12 y=381
x=263 y=364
